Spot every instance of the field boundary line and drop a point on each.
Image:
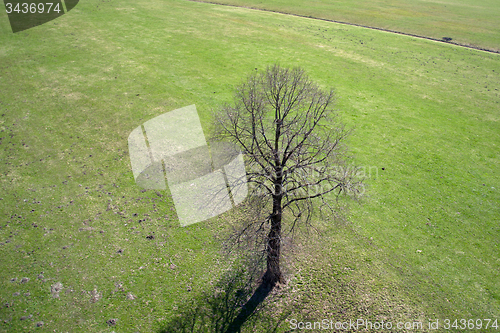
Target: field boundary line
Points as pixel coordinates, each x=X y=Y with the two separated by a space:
x=355 y=25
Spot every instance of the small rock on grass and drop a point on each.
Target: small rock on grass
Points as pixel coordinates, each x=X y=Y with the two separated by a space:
x=130 y=296
x=112 y=322
x=95 y=296
x=55 y=289
x=39 y=324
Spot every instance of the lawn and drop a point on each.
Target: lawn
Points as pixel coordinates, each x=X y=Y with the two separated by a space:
x=422 y=245
x=466 y=22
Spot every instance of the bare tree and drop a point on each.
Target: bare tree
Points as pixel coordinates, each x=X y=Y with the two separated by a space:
x=293 y=143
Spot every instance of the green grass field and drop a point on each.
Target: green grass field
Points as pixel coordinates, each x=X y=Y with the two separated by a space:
x=467 y=22
x=422 y=245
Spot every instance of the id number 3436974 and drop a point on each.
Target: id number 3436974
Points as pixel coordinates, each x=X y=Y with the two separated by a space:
x=32 y=8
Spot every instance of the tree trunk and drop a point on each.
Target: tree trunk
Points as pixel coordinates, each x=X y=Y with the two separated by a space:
x=273 y=274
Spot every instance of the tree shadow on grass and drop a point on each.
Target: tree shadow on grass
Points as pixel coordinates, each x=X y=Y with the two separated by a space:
x=237 y=302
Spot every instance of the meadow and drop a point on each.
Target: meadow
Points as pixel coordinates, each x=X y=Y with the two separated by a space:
x=423 y=243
